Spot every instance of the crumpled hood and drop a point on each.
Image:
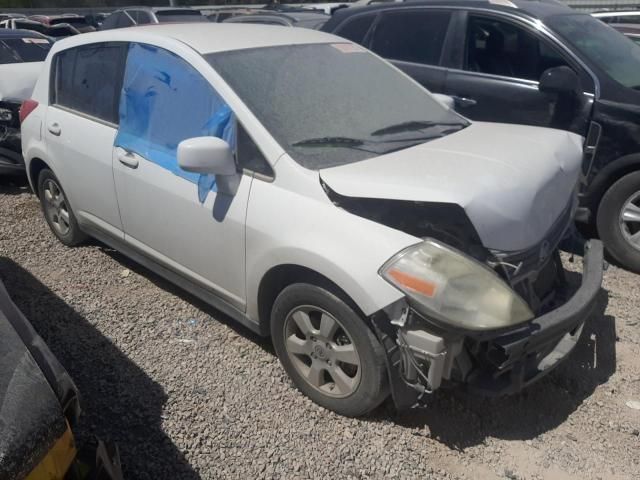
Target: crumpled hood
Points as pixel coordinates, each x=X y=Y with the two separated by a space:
x=18 y=79
x=513 y=181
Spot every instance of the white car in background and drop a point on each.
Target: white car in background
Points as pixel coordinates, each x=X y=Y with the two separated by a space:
x=316 y=194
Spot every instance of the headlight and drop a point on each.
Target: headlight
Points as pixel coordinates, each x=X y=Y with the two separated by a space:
x=454 y=288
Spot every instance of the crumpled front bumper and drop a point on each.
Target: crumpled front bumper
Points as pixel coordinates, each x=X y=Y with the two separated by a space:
x=511 y=361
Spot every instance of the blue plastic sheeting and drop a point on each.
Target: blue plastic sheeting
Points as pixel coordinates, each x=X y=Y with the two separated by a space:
x=164 y=101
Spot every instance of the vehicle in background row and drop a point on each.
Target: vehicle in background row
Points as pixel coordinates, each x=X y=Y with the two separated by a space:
x=221 y=14
x=303 y=19
x=129 y=17
x=7 y=16
x=629 y=30
x=384 y=242
x=76 y=21
x=539 y=63
x=21 y=55
x=53 y=32
x=613 y=17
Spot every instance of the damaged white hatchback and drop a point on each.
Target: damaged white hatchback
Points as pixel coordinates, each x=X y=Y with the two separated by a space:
x=318 y=195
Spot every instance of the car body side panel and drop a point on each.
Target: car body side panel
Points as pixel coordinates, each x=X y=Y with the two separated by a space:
x=314 y=233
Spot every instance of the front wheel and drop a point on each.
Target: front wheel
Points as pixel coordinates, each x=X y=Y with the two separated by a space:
x=618 y=221
x=328 y=350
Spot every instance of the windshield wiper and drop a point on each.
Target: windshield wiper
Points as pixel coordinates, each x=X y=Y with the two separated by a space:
x=413 y=125
x=329 y=142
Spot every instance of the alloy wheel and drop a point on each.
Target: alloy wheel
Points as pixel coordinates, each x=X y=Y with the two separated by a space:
x=56 y=207
x=630 y=220
x=322 y=351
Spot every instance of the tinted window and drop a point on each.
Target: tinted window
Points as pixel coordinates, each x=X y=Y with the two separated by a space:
x=378 y=109
x=36 y=27
x=411 y=36
x=602 y=46
x=142 y=17
x=180 y=16
x=356 y=28
x=78 y=22
x=501 y=48
x=88 y=80
x=17 y=50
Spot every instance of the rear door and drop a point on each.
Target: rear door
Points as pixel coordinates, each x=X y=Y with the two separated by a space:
x=80 y=128
x=495 y=77
x=414 y=41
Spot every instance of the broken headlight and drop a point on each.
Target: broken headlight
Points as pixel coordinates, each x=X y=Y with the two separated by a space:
x=454 y=288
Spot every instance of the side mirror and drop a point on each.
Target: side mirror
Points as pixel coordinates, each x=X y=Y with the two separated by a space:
x=560 y=80
x=210 y=156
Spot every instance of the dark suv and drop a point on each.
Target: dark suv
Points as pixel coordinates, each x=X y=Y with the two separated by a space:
x=533 y=62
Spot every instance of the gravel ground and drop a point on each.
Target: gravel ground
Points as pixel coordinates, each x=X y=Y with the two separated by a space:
x=186 y=393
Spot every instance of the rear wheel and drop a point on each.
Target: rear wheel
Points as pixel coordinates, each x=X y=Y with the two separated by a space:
x=618 y=221
x=57 y=211
x=327 y=350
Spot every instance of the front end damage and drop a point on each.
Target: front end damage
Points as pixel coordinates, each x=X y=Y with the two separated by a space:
x=424 y=355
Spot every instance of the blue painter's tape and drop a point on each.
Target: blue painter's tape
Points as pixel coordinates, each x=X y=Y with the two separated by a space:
x=165 y=101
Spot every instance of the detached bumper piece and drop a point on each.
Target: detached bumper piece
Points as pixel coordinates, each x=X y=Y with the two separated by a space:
x=512 y=361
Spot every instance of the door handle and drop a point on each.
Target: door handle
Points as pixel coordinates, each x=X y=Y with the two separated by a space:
x=464 y=102
x=54 y=129
x=128 y=159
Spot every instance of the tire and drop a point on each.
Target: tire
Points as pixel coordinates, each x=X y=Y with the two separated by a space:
x=350 y=385
x=57 y=210
x=616 y=234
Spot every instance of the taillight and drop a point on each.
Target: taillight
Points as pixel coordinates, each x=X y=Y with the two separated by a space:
x=26 y=108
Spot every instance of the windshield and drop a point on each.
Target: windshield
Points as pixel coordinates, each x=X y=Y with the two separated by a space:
x=75 y=21
x=603 y=46
x=19 y=50
x=333 y=104
x=29 y=25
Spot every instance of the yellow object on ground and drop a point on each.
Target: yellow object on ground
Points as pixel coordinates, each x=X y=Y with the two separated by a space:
x=56 y=463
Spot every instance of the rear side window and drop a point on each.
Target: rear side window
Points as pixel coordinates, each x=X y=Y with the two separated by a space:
x=356 y=28
x=411 y=36
x=88 y=80
x=170 y=16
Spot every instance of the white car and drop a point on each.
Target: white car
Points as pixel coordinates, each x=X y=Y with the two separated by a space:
x=313 y=192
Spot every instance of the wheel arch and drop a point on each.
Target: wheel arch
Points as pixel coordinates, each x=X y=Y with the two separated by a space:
x=279 y=277
x=609 y=175
x=36 y=165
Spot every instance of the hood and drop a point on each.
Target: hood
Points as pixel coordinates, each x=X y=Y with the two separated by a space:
x=513 y=181
x=18 y=79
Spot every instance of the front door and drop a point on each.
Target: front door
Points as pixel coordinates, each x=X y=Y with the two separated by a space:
x=498 y=75
x=80 y=128
x=174 y=217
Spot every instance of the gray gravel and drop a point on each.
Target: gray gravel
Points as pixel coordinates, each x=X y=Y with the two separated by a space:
x=186 y=393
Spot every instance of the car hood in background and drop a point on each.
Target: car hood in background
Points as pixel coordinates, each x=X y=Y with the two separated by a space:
x=513 y=181
x=18 y=79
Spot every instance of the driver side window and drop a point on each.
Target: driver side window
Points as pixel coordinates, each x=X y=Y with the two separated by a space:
x=501 y=48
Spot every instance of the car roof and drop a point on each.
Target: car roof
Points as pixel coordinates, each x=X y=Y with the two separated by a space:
x=161 y=9
x=535 y=8
x=18 y=33
x=212 y=37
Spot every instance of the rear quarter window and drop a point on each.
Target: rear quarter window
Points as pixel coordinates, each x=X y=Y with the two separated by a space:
x=356 y=28
x=19 y=50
